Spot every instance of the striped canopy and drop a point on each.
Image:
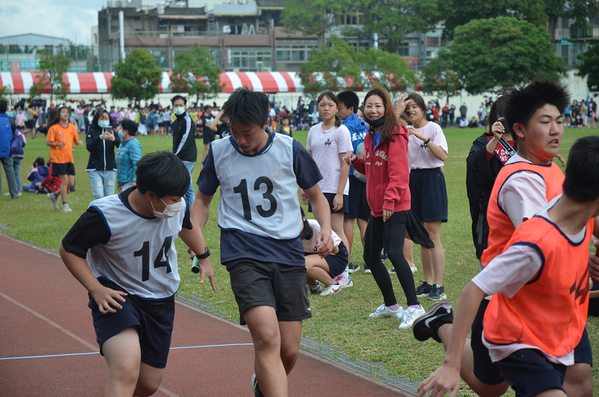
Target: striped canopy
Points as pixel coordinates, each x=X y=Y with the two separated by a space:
x=99 y=83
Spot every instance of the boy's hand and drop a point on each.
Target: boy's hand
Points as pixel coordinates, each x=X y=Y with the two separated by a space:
x=443 y=380
x=324 y=242
x=207 y=270
x=107 y=299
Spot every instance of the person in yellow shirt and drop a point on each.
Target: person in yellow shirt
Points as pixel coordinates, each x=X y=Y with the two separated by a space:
x=62 y=135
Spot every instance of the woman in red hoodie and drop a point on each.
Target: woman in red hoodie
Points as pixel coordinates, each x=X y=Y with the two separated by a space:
x=385 y=164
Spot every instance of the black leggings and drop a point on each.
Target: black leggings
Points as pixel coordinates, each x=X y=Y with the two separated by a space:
x=374 y=242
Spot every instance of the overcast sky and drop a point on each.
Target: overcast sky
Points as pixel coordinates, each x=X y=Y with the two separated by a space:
x=69 y=19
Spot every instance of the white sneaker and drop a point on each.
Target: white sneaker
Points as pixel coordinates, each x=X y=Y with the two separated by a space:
x=409 y=316
x=331 y=289
x=344 y=282
x=384 y=311
x=314 y=288
x=53 y=200
x=66 y=208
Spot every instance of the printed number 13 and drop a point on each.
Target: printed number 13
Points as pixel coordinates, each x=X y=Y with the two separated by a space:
x=242 y=189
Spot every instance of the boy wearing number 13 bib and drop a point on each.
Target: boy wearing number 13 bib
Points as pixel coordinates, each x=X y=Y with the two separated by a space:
x=259 y=217
x=122 y=250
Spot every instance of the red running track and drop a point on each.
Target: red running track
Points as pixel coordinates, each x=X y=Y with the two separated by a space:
x=48 y=347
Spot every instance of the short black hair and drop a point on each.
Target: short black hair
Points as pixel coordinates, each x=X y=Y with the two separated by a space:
x=39 y=161
x=247 y=107
x=179 y=97
x=130 y=126
x=3 y=106
x=522 y=104
x=162 y=173
x=497 y=111
x=349 y=99
x=582 y=171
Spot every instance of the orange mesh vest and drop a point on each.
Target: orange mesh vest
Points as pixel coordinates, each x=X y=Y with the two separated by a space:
x=550 y=311
x=501 y=227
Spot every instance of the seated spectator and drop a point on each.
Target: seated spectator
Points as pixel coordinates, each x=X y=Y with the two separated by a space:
x=50 y=186
x=38 y=173
x=473 y=123
x=323 y=270
x=463 y=122
x=285 y=128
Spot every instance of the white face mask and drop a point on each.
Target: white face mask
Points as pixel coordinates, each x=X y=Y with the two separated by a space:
x=104 y=123
x=169 y=211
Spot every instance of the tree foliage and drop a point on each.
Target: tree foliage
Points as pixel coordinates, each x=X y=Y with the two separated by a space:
x=438 y=77
x=137 y=77
x=490 y=53
x=339 y=66
x=5 y=92
x=197 y=73
x=589 y=67
x=53 y=68
x=393 y=19
x=460 y=12
x=314 y=17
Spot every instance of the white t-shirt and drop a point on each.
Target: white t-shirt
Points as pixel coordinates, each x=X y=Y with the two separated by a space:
x=419 y=155
x=310 y=245
x=509 y=272
x=522 y=195
x=326 y=146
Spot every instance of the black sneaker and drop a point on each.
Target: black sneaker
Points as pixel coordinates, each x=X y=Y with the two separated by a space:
x=427 y=325
x=392 y=271
x=352 y=268
x=256 y=387
x=367 y=269
x=423 y=290
x=437 y=293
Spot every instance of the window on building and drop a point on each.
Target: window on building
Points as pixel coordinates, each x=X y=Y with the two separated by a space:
x=433 y=41
x=404 y=49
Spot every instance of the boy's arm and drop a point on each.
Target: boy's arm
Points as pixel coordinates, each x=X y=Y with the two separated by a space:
x=447 y=377
x=194 y=239
x=593 y=258
x=322 y=213
x=106 y=298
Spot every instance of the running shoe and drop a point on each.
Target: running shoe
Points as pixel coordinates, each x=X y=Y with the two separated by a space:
x=427 y=325
x=344 y=282
x=53 y=200
x=423 y=290
x=367 y=269
x=353 y=268
x=409 y=316
x=331 y=289
x=412 y=268
x=437 y=293
x=315 y=288
x=384 y=311
x=66 y=208
x=256 y=387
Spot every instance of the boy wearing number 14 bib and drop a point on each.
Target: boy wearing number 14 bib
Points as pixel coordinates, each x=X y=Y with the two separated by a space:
x=122 y=250
x=259 y=216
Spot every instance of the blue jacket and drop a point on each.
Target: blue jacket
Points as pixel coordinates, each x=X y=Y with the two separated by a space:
x=357 y=130
x=6 y=134
x=128 y=155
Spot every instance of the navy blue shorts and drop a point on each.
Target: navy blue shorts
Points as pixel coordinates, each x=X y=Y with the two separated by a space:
x=63 y=169
x=429 y=194
x=529 y=372
x=484 y=369
x=338 y=262
x=152 y=319
x=257 y=283
x=357 y=207
x=330 y=197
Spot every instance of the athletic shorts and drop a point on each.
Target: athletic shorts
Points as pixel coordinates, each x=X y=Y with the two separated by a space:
x=357 y=205
x=429 y=194
x=338 y=262
x=529 y=372
x=330 y=197
x=63 y=169
x=489 y=372
x=283 y=287
x=208 y=136
x=152 y=319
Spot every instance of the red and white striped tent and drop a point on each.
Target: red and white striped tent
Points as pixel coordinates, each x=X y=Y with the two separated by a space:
x=99 y=83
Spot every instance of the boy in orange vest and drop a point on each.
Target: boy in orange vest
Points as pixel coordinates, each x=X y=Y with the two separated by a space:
x=538 y=312
x=523 y=187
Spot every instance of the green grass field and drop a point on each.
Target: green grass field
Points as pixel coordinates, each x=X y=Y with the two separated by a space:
x=341 y=320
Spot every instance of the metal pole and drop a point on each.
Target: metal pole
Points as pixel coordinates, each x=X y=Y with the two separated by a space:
x=122 y=33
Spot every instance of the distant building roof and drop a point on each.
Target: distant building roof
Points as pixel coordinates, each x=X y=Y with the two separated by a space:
x=271 y=4
x=33 y=39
